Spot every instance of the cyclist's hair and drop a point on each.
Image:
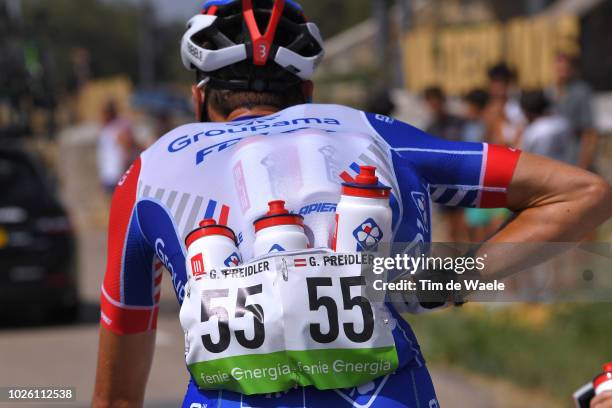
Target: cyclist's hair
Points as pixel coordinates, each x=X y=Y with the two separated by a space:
x=226 y=101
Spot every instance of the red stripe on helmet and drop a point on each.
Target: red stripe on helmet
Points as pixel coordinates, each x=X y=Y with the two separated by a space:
x=262 y=43
x=212 y=10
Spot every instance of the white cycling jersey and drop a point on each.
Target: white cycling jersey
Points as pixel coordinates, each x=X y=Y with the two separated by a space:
x=229 y=171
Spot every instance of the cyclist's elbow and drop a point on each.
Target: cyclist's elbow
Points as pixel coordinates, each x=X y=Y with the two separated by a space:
x=598 y=193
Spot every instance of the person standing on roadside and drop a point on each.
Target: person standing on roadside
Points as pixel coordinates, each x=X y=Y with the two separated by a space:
x=117 y=148
x=504 y=117
x=443 y=123
x=572 y=98
x=450 y=127
x=547 y=134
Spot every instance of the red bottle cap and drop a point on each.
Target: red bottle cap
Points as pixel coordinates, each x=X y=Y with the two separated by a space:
x=209 y=227
x=277 y=215
x=367 y=175
x=366 y=185
x=603 y=377
x=207 y=222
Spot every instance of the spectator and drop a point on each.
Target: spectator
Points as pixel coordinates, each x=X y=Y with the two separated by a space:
x=475 y=129
x=449 y=127
x=504 y=116
x=443 y=123
x=116 y=147
x=572 y=98
x=480 y=223
x=546 y=134
x=380 y=102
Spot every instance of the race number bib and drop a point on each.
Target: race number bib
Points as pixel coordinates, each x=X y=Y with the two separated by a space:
x=272 y=324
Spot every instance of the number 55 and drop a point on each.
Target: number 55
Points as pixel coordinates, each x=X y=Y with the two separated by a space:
x=315 y=302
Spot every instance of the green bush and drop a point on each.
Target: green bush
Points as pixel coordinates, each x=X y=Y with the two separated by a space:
x=558 y=355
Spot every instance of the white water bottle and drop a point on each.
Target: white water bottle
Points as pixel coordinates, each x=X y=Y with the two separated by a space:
x=603 y=382
x=279 y=230
x=211 y=246
x=363 y=215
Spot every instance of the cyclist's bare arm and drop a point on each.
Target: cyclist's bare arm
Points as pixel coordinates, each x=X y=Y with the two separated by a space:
x=124 y=361
x=555 y=202
x=127 y=324
x=603 y=400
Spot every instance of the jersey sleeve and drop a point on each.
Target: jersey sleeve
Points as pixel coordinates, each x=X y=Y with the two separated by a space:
x=458 y=173
x=130 y=290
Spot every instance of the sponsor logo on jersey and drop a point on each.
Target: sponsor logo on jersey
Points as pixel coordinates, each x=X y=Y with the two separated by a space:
x=317 y=208
x=421 y=204
x=368 y=234
x=364 y=395
x=255 y=127
x=232 y=260
x=179 y=287
x=216 y=148
x=332 y=165
x=384 y=118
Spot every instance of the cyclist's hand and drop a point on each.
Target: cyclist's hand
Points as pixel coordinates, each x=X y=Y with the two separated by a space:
x=602 y=400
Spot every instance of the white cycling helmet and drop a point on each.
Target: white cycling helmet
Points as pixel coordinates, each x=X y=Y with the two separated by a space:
x=226 y=48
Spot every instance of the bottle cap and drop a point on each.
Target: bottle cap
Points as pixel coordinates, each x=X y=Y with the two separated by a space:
x=277 y=207
x=605 y=376
x=209 y=227
x=207 y=222
x=366 y=184
x=277 y=215
x=367 y=175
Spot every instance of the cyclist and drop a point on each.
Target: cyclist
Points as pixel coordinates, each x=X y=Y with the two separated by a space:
x=258 y=138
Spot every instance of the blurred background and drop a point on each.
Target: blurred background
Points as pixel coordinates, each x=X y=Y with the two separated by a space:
x=85 y=85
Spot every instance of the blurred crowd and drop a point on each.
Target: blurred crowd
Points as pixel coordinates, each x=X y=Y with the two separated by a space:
x=556 y=122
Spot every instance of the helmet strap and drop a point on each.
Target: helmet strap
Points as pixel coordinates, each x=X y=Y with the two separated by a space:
x=204 y=107
x=202 y=85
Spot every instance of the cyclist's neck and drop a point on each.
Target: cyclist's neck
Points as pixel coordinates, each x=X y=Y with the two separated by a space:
x=262 y=110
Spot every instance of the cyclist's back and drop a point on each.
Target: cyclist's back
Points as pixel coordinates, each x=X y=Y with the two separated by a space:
x=260 y=141
x=229 y=171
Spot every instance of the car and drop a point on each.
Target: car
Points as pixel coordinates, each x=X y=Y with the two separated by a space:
x=37 y=242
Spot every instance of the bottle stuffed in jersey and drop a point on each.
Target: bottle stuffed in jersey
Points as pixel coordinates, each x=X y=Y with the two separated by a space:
x=363 y=215
x=279 y=230
x=603 y=382
x=211 y=246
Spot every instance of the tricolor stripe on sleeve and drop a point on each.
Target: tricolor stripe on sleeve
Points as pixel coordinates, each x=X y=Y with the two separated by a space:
x=498 y=165
x=128 y=302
